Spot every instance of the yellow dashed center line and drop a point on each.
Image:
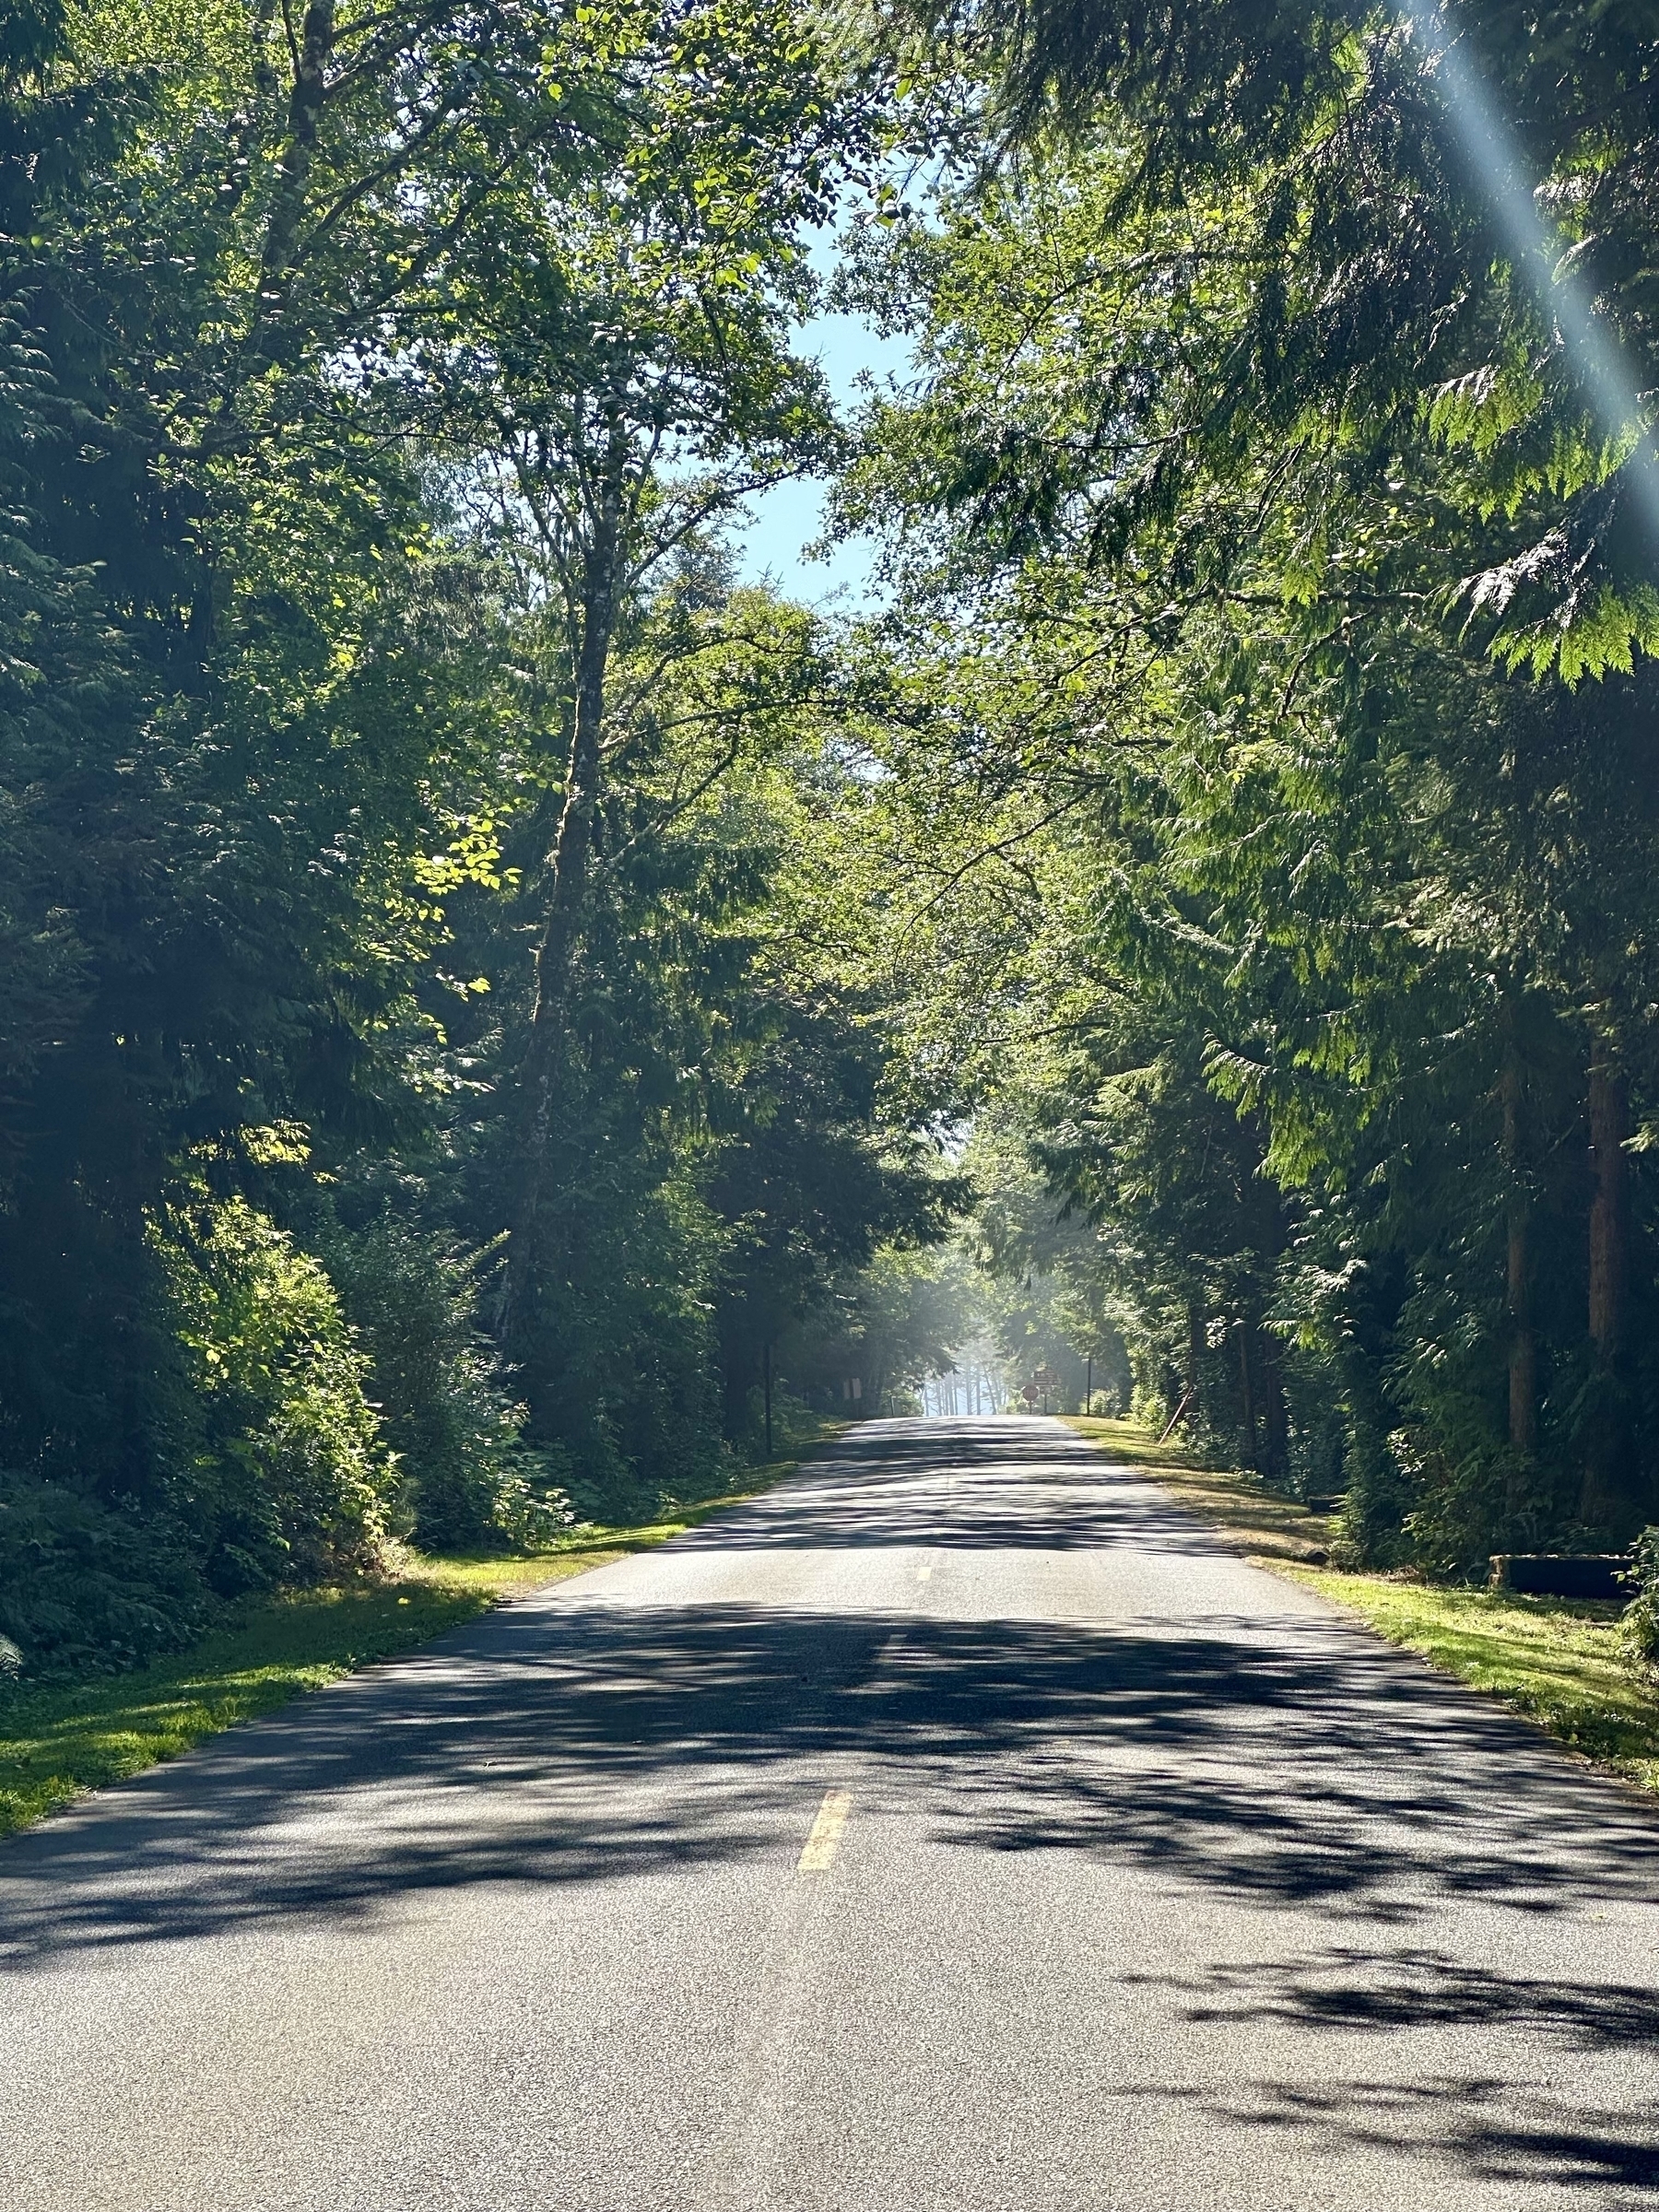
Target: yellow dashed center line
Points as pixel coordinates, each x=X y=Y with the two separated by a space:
x=826 y=1833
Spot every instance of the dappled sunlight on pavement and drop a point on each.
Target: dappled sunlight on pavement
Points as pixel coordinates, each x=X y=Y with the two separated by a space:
x=1136 y=1806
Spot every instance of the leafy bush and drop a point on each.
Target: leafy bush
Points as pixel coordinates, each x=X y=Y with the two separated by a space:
x=797 y=1425
x=88 y=1588
x=277 y=1462
x=1642 y=1616
x=263 y=1465
x=469 y=1477
x=619 y=1358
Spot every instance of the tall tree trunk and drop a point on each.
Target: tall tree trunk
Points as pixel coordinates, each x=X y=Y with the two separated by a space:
x=1247 y=1380
x=1197 y=1340
x=1275 y=1413
x=1610 y=1206
x=1600 y=1496
x=546 y=1052
x=307 y=98
x=1523 y=1340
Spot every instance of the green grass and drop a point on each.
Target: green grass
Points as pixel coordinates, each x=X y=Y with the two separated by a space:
x=60 y=1740
x=1554 y=1660
x=1258 y=1522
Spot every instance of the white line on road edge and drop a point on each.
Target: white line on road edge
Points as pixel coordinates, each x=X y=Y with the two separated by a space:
x=826 y=1833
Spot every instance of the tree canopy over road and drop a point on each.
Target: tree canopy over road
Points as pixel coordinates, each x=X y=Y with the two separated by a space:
x=487 y=994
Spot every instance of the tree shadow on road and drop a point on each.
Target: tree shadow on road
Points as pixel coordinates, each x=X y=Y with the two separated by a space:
x=1486 y=2129
x=577 y=1743
x=1492 y=2133
x=961 y=1486
x=1281 y=1760
x=1351 y=1986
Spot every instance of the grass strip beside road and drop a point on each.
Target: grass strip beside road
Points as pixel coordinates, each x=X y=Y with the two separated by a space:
x=61 y=1739
x=1252 y=1518
x=1556 y=1661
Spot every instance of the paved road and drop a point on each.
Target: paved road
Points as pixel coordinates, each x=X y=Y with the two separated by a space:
x=1134 y=1880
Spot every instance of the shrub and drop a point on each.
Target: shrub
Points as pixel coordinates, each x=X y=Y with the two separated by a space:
x=469 y=1479
x=89 y=1588
x=796 y=1427
x=277 y=1462
x=264 y=1464
x=1642 y=1616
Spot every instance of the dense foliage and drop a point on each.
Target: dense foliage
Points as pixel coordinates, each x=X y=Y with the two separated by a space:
x=498 y=1017
x=435 y=1061
x=1273 y=537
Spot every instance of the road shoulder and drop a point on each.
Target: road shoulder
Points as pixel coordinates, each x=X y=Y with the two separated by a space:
x=59 y=1741
x=1555 y=1662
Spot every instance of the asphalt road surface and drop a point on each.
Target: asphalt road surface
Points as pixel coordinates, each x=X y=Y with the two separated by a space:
x=959 y=1827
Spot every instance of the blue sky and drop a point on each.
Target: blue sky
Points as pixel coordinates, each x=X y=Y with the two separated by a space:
x=791 y=517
